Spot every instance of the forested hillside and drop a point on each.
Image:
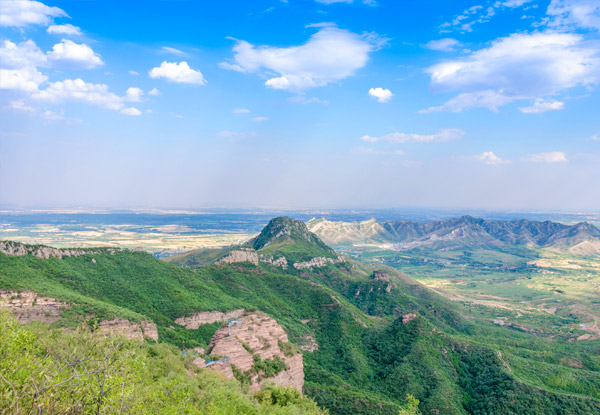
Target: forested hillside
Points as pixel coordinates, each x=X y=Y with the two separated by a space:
x=370 y=336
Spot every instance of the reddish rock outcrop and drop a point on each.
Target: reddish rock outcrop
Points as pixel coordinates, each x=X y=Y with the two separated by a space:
x=27 y=306
x=255 y=334
x=408 y=317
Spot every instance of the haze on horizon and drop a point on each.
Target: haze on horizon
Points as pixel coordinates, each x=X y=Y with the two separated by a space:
x=300 y=104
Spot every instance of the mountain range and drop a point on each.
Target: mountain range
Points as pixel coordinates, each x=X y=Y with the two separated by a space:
x=463 y=232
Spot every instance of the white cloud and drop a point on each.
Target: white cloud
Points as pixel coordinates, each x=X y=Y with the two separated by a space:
x=133 y=94
x=444 y=45
x=550 y=157
x=25 y=12
x=330 y=55
x=177 y=72
x=241 y=111
x=382 y=95
x=21 y=55
x=520 y=66
x=74 y=56
x=173 y=51
x=64 y=29
x=579 y=13
x=154 y=92
x=542 y=105
x=488 y=157
x=134 y=73
x=80 y=91
x=134 y=112
x=595 y=137
x=21 y=106
x=260 y=119
x=481 y=99
x=479 y=14
x=447 y=134
x=53 y=116
x=19 y=66
x=24 y=79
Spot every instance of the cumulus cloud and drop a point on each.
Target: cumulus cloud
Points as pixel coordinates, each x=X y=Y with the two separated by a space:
x=80 y=91
x=542 y=105
x=25 y=12
x=330 y=55
x=595 y=137
x=23 y=79
x=134 y=112
x=578 y=13
x=488 y=157
x=549 y=157
x=154 y=92
x=64 y=29
x=520 y=66
x=382 y=95
x=133 y=94
x=447 y=134
x=241 y=111
x=74 y=56
x=134 y=73
x=177 y=72
x=19 y=66
x=444 y=45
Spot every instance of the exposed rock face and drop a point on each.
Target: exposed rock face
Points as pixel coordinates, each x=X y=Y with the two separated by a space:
x=380 y=275
x=27 y=306
x=256 y=334
x=208 y=317
x=251 y=256
x=45 y=252
x=316 y=262
x=408 y=317
x=150 y=330
x=240 y=255
x=129 y=329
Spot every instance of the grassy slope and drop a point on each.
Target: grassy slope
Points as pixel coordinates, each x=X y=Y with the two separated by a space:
x=364 y=364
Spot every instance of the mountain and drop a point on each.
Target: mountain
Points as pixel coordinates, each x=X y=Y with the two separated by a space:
x=285 y=307
x=463 y=232
x=284 y=239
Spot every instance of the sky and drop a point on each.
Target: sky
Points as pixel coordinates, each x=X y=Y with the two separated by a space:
x=300 y=104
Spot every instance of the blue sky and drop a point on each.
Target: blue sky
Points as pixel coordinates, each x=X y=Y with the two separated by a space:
x=354 y=104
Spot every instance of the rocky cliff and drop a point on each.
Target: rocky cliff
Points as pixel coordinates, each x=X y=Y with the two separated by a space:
x=253 y=342
x=45 y=252
x=28 y=306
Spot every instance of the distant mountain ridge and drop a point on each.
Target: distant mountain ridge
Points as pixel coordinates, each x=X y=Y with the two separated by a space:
x=465 y=231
